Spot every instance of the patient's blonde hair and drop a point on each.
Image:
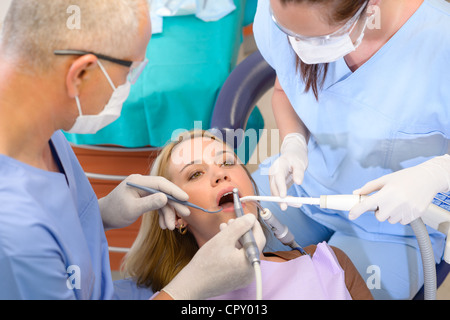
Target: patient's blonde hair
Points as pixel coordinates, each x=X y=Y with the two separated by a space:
x=158 y=255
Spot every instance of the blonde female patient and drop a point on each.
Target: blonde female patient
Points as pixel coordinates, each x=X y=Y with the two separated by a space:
x=207 y=170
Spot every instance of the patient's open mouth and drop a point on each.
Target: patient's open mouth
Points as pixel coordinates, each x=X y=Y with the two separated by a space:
x=226 y=199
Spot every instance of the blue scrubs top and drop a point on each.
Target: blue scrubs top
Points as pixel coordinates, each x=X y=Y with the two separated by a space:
x=391 y=113
x=52 y=241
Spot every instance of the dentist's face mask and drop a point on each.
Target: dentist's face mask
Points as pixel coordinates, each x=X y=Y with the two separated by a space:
x=329 y=48
x=90 y=124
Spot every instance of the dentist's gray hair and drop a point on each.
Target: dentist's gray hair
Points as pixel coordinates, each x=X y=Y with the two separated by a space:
x=33 y=29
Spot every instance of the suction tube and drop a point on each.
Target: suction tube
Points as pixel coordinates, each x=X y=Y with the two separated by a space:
x=429 y=265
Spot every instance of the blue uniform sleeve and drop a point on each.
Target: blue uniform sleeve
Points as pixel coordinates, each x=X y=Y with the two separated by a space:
x=31 y=264
x=33 y=278
x=127 y=289
x=262 y=30
x=272 y=43
x=52 y=241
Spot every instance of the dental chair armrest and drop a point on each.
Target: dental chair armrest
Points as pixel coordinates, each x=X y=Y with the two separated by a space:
x=246 y=84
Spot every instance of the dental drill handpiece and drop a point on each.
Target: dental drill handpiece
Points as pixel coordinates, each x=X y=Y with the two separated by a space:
x=247 y=240
x=281 y=231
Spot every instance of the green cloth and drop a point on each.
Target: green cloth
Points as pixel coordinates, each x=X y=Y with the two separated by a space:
x=250 y=11
x=188 y=64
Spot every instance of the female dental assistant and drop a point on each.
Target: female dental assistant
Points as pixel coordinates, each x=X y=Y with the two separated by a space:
x=362 y=103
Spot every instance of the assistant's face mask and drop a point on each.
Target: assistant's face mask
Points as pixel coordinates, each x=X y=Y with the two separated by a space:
x=90 y=124
x=328 y=51
x=325 y=49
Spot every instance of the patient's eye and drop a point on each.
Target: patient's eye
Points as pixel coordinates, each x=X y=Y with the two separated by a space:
x=228 y=163
x=195 y=175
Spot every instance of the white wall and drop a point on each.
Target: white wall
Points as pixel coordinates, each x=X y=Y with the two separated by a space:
x=4 y=5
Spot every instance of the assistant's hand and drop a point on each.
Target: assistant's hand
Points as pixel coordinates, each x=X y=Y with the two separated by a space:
x=290 y=166
x=218 y=266
x=125 y=204
x=405 y=195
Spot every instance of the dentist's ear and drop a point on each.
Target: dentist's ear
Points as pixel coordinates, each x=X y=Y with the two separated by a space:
x=78 y=72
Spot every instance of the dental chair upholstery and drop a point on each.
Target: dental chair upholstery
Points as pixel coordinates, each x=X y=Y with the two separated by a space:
x=248 y=82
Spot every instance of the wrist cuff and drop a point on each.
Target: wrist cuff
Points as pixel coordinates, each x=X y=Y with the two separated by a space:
x=294 y=136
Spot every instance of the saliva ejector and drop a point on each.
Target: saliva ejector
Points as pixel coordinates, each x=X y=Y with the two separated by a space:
x=342 y=202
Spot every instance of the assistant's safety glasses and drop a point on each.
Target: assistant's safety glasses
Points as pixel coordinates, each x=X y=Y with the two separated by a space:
x=136 y=67
x=345 y=29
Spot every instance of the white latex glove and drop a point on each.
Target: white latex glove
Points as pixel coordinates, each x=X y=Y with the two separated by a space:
x=405 y=195
x=257 y=233
x=125 y=204
x=218 y=266
x=290 y=166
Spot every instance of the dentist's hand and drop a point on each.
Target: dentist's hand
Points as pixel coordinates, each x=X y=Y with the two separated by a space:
x=218 y=266
x=257 y=233
x=125 y=204
x=405 y=195
x=290 y=166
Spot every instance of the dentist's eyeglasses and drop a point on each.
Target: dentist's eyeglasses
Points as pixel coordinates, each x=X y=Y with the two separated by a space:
x=136 y=67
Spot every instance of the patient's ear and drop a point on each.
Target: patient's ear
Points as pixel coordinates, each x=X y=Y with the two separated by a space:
x=181 y=225
x=180 y=222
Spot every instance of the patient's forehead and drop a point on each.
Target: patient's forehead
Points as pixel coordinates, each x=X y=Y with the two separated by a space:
x=199 y=150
